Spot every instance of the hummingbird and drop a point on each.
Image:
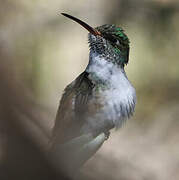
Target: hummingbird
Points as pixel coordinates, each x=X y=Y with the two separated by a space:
x=101 y=97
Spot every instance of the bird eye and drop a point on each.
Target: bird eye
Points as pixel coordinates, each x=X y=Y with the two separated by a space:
x=110 y=38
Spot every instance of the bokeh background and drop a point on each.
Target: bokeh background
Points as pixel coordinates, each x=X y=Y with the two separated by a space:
x=41 y=52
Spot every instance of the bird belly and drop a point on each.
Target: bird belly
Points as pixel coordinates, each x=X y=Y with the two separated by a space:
x=119 y=105
x=110 y=108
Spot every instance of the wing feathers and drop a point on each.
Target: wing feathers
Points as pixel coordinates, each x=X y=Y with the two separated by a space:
x=69 y=118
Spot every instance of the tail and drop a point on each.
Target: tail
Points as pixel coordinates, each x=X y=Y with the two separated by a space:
x=72 y=155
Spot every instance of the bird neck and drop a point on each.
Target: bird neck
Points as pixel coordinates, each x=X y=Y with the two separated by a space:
x=103 y=71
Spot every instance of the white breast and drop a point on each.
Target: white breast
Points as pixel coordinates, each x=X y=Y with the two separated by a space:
x=119 y=99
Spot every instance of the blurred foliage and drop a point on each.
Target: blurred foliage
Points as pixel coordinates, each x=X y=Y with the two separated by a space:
x=45 y=51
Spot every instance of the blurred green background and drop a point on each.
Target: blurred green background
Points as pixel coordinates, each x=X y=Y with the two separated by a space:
x=46 y=51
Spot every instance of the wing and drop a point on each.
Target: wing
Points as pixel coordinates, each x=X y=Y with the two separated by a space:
x=73 y=104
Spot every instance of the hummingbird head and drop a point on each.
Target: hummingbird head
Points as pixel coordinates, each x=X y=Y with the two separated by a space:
x=109 y=41
x=112 y=43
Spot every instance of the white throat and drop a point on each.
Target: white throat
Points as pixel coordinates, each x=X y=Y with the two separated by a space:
x=105 y=70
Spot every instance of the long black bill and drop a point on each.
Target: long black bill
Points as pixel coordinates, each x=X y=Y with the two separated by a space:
x=86 y=26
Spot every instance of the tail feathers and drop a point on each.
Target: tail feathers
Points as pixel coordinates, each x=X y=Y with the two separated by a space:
x=73 y=154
